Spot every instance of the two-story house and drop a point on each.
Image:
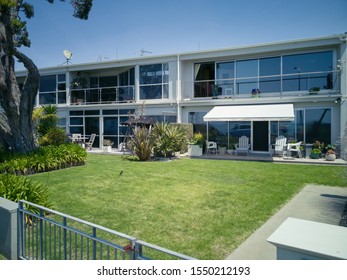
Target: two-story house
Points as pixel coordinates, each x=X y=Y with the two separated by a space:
x=308 y=76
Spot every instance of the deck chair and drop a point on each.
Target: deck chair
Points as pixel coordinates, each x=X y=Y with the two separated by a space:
x=210 y=145
x=294 y=147
x=243 y=145
x=76 y=138
x=280 y=146
x=89 y=144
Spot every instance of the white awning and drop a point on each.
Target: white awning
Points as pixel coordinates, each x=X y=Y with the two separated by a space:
x=273 y=112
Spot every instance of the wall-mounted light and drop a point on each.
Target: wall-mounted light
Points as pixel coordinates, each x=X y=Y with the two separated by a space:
x=338 y=100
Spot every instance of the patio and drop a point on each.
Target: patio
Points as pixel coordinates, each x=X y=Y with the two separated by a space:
x=253 y=156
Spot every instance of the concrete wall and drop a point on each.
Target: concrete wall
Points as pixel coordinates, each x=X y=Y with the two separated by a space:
x=8 y=229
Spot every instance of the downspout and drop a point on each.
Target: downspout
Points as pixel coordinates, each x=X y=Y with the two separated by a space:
x=178 y=90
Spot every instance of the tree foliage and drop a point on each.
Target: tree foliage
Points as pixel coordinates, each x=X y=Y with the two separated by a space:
x=16 y=104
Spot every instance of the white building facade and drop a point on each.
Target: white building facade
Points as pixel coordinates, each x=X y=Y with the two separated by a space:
x=310 y=74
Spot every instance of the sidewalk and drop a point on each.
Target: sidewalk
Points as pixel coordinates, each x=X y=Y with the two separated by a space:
x=315 y=203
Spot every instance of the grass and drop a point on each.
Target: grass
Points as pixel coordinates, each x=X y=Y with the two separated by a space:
x=202 y=208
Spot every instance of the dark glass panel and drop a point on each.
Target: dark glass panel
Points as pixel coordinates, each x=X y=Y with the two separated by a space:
x=247 y=68
x=110 y=125
x=318 y=125
x=151 y=92
x=151 y=74
x=270 y=66
x=47 y=83
x=110 y=112
x=76 y=113
x=91 y=112
x=76 y=121
x=204 y=71
x=47 y=98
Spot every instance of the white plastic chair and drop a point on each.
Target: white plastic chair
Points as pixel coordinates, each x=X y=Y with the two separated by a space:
x=210 y=145
x=294 y=147
x=243 y=145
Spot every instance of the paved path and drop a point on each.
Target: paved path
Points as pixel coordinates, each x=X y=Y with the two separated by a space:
x=315 y=203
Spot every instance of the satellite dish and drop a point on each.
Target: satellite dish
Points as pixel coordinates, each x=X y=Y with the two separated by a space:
x=67 y=54
x=343 y=38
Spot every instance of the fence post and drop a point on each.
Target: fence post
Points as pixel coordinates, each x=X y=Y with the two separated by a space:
x=64 y=237
x=94 y=243
x=41 y=234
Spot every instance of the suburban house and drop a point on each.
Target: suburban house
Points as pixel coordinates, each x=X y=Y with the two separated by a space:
x=295 y=88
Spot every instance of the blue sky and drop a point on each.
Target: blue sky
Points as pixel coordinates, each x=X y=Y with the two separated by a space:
x=118 y=29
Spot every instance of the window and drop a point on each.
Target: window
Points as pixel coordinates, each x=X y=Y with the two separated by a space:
x=52 y=89
x=270 y=74
x=247 y=76
x=154 y=81
x=318 y=125
x=300 y=71
x=225 y=78
x=204 y=79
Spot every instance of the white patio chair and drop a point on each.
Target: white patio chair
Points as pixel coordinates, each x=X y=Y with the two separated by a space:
x=294 y=147
x=243 y=145
x=89 y=144
x=280 y=146
x=76 y=138
x=210 y=145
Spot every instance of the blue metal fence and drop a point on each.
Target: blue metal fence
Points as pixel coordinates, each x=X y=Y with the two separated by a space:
x=45 y=234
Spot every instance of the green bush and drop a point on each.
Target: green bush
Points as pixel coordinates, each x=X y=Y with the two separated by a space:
x=44 y=159
x=55 y=136
x=168 y=138
x=16 y=188
x=141 y=143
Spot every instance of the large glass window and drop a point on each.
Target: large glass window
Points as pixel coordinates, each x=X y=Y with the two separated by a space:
x=154 y=81
x=269 y=72
x=247 y=76
x=225 y=78
x=52 y=89
x=299 y=71
x=204 y=74
x=318 y=125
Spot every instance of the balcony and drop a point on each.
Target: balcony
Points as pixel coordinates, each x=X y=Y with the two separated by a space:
x=105 y=95
x=298 y=84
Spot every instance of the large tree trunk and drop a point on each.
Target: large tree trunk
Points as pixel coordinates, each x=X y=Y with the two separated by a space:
x=16 y=125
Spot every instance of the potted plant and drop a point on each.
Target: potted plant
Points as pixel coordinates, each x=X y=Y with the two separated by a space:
x=255 y=92
x=314 y=90
x=330 y=154
x=315 y=153
x=222 y=149
x=107 y=145
x=195 y=145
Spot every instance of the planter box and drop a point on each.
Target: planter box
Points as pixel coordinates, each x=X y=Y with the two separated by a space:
x=194 y=151
x=107 y=149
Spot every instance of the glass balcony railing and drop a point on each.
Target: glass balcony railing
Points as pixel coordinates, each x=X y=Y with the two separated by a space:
x=120 y=94
x=264 y=86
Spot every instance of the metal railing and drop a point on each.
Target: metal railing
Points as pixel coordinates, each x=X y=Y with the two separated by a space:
x=45 y=234
x=269 y=86
x=104 y=95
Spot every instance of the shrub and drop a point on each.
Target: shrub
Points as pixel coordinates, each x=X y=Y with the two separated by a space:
x=44 y=159
x=141 y=143
x=16 y=188
x=55 y=136
x=168 y=138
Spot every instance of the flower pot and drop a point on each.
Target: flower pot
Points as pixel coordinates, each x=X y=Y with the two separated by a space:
x=330 y=157
x=315 y=156
x=107 y=149
x=194 y=151
x=222 y=150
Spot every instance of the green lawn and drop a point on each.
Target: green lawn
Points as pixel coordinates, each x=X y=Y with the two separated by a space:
x=202 y=208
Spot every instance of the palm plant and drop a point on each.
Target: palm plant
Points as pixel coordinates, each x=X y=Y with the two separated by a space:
x=141 y=143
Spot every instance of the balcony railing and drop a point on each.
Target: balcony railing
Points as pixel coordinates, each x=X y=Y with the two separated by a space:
x=269 y=86
x=120 y=94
